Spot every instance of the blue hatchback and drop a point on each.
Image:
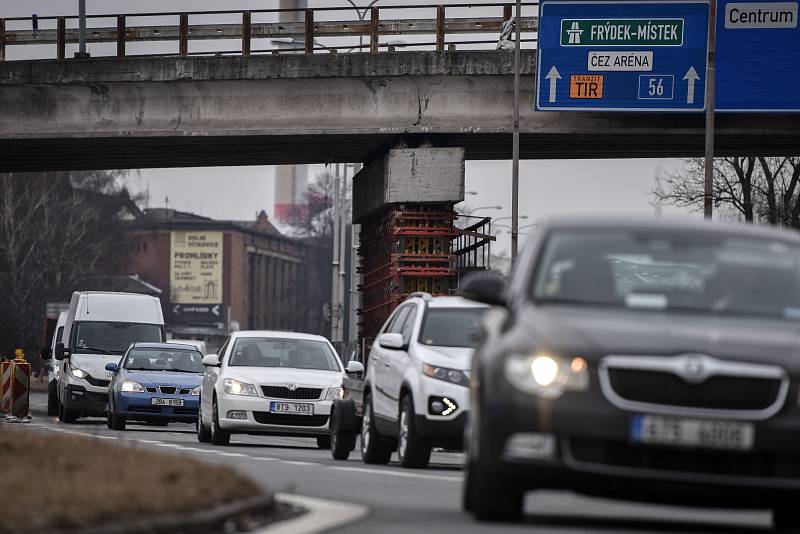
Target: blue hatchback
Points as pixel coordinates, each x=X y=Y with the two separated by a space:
x=155 y=383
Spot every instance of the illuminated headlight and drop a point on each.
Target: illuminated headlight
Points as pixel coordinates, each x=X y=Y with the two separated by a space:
x=546 y=375
x=334 y=393
x=234 y=387
x=196 y=391
x=454 y=376
x=77 y=373
x=132 y=387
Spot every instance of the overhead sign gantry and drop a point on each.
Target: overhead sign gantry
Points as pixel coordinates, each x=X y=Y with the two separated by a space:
x=622 y=56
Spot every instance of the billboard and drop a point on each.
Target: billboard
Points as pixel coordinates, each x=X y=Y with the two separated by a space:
x=195 y=268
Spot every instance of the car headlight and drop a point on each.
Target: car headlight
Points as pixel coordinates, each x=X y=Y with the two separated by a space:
x=546 y=375
x=234 y=387
x=454 y=376
x=132 y=387
x=196 y=391
x=77 y=373
x=334 y=393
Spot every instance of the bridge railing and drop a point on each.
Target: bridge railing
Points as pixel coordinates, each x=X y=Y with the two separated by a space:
x=313 y=30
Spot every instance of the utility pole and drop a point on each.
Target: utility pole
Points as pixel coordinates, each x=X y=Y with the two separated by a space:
x=335 y=337
x=515 y=141
x=708 y=186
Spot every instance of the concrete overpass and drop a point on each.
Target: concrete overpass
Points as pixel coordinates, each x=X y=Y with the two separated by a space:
x=202 y=111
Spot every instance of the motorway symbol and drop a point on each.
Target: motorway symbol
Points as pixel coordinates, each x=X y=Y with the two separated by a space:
x=642 y=48
x=691 y=77
x=553 y=76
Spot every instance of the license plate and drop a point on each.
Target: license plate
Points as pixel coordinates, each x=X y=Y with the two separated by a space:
x=679 y=432
x=291 y=407
x=167 y=402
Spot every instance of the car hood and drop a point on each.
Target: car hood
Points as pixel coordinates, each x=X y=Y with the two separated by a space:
x=285 y=376
x=597 y=332
x=163 y=378
x=95 y=364
x=452 y=357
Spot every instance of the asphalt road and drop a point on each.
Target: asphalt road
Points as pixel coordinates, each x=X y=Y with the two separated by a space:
x=407 y=500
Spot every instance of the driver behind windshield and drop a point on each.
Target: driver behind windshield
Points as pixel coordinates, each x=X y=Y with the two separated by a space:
x=174 y=361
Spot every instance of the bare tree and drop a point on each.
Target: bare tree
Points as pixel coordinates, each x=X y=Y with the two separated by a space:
x=758 y=189
x=54 y=236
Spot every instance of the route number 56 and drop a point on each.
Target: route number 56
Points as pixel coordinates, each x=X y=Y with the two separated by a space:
x=656 y=86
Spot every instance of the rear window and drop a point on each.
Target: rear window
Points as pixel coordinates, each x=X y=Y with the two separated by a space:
x=452 y=327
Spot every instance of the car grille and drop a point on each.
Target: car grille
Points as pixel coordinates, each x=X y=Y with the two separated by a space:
x=145 y=409
x=151 y=389
x=618 y=454
x=97 y=382
x=283 y=392
x=185 y=391
x=168 y=390
x=266 y=418
x=716 y=393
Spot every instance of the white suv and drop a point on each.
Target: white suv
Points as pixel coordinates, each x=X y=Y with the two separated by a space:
x=416 y=394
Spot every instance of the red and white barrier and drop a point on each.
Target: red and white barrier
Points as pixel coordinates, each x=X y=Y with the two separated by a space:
x=5 y=386
x=20 y=388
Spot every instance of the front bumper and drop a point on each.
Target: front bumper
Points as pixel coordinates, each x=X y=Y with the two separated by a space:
x=84 y=402
x=140 y=406
x=259 y=420
x=445 y=430
x=593 y=454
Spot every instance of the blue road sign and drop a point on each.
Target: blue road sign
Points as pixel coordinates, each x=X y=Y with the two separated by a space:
x=626 y=55
x=758 y=56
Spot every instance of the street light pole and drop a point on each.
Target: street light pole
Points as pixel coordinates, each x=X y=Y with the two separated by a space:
x=81 y=30
x=515 y=141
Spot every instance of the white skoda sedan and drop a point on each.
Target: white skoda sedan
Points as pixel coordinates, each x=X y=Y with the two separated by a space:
x=264 y=382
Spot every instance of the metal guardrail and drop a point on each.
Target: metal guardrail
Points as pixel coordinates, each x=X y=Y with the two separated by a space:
x=308 y=28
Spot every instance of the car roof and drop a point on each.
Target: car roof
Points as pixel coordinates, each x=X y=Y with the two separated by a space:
x=677 y=224
x=164 y=346
x=454 y=302
x=278 y=334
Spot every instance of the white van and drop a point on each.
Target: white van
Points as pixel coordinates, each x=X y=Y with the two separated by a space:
x=52 y=368
x=99 y=328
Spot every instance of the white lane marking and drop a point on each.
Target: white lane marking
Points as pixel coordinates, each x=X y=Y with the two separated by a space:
x=232 y=454
x=297 y=462
x=398 y=473
x=322 y=516
x=265 y=459
x=106 y=437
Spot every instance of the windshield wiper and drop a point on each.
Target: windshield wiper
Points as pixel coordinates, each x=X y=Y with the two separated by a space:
x=97 y=350
x=182 y=371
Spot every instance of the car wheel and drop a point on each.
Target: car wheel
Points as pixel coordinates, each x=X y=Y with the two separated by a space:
x=117 y=422
x=323 y=442
x=413 y=450
x=52 y=402
x=786 y=517
x=203 y=433
x=374 y=448
x=487 y=494
x=65 y=415
x=342 y=442
x=219 y=436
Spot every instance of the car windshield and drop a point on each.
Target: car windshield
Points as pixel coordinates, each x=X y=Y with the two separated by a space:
x=113 y=338
x=452 y=327
x=175 y=360
x=291 y=353
x=659 y=270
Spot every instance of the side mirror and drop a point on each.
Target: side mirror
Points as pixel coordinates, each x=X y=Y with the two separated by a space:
x=354 y=367
x=391 y=341
x=61 y=352
x=46 y=353
x=211 y=360
x=112 y=367
x=488 y=288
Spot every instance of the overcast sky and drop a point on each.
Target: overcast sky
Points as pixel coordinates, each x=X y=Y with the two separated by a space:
x=549 y=187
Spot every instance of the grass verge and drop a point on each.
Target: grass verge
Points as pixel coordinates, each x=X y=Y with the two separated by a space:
x=69 y=483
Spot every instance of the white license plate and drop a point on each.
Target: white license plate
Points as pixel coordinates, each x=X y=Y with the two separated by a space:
x=167 y=402
x=679 y=432
x=291 y=407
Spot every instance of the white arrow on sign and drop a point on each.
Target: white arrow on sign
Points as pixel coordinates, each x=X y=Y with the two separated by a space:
x=691 y=77
x=553 y=76
x=215 y=310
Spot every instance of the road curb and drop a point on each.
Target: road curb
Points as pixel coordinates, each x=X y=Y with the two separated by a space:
x=321 y=515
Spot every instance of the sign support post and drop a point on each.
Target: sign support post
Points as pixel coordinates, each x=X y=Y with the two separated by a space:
x=708 y=167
